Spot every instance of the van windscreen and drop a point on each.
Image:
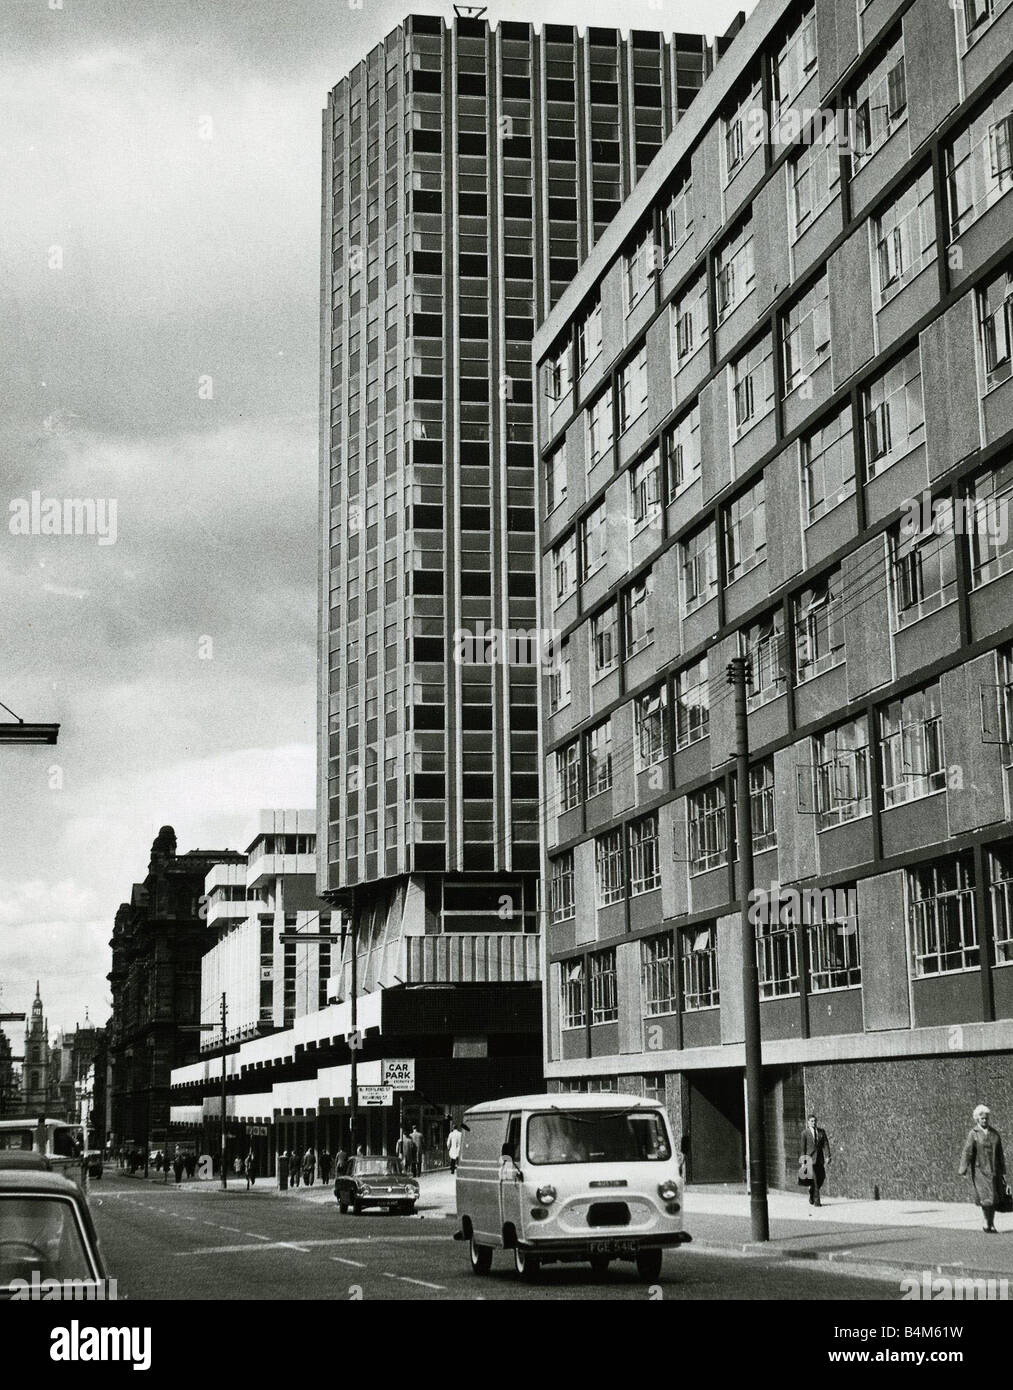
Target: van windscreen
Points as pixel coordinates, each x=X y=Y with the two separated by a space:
x=597 y=1136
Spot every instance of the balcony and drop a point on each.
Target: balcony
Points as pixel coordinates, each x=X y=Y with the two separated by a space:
x=466 y=958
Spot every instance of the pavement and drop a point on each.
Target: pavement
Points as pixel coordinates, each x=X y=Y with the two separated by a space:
x=878 y=1239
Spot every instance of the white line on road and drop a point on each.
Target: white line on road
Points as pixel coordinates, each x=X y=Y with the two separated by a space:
x=404 y=1279
x=305 y=1247
x=339 y=1261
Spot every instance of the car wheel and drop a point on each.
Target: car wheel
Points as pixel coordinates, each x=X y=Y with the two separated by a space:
x=342 y=1206
x=600 y=1264
x=526 y=1264
x=357 y=1207
x=481 y=1257
x=649 y=1264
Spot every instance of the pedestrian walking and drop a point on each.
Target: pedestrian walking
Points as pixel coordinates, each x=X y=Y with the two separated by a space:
x=406 y=1151
x=237 y=1165
x=984 y=1162
x=417 y=1141
x=250 y=1169
x=816 y=1147
x=177 y=1167
x=325 y=1167
x=340 y=1163
x=309 y=1163
x=293 y=1167
x=454 y=1141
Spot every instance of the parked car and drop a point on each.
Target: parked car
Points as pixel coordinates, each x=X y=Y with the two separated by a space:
x=376 y=1181
x=567 y=1178
x=46 y=1228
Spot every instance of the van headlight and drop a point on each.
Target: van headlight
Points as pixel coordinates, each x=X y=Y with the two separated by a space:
x=546 y=1195
x=668 y=1191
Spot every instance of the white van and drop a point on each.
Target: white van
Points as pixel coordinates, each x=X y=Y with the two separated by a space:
x=569 y=1177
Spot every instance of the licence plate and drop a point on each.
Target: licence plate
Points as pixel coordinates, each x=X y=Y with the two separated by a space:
x=613 y=1247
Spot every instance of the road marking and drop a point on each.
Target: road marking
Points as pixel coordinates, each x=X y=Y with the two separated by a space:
x=339 y=1261
x=304 y=1247
x=404 y=1279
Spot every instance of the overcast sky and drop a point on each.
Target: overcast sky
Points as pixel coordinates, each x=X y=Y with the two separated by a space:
x=138 y=257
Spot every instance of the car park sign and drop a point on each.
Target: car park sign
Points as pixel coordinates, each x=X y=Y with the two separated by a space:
x=399 y=1073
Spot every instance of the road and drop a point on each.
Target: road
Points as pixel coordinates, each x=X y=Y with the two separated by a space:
x=161 y=1242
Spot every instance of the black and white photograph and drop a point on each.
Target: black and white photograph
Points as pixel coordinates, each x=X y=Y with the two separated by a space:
x=506 y=671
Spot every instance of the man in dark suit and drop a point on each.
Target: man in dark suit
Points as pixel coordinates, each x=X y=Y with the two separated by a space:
x=816 y=1146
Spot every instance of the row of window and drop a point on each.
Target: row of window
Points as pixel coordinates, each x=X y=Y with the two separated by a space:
x=834 y=784
x=680 y=968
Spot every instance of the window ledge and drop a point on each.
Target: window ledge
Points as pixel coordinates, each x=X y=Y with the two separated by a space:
x=851 y=820
x=841 y=499
x=908 y=801
x=906 y=626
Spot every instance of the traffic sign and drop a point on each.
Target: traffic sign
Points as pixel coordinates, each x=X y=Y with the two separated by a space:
x=398 y=1073
x=376 y=1095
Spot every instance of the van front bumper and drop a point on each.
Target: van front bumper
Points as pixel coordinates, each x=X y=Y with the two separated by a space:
x=606 y=1244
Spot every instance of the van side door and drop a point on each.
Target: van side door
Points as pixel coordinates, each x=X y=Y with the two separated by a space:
x=511 y=1188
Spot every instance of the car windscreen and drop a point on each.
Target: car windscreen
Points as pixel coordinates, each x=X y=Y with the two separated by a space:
x=597 y=1136
x=40 y=1234
x=376 y=1167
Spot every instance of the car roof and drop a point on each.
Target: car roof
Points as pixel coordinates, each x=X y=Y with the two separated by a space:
x=31 y=1180
x=564 y=1100
x=25 y=1158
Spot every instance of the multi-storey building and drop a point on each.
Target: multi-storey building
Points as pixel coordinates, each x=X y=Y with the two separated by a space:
x=72 y=1059
x=774 y=412
x=268 y=982
x=467 y=171
x=158 y=940
x=289 y=1020
x=10 y=1085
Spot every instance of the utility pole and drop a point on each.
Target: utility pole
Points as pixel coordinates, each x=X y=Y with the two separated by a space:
x=353 y=1115
x=225 y=1083
x=210 y=1028
x=738 y=677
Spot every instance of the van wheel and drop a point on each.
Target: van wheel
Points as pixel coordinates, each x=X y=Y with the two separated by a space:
x=481 y=1257
x=357 y=1208
x=649 y=1264
x=526 y=1264
x=600 y=1264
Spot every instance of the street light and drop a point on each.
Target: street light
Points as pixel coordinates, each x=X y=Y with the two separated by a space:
x=28 y=733
x=20 y=732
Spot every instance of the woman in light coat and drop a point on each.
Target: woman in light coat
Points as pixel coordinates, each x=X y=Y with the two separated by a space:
x=984 y=1162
